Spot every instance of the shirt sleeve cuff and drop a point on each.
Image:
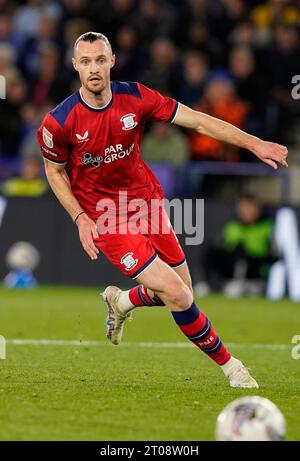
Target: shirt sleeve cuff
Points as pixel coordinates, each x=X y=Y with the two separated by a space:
x=174 y=113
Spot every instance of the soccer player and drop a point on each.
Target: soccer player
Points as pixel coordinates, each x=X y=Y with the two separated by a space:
x=91 y=145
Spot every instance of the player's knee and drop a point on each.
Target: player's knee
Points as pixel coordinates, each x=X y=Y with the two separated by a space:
x=179 y=296
x=189 y=284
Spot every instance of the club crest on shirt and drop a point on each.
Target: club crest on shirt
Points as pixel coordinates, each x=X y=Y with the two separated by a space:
x=129 y=261
x=47 y=138
x=128 y=121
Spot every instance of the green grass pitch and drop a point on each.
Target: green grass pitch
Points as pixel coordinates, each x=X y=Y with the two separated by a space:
x=150 y=387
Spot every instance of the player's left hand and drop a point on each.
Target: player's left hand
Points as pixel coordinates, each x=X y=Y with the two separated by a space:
x=271 y=153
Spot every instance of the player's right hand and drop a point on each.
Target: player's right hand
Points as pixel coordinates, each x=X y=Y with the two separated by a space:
x=87 y=232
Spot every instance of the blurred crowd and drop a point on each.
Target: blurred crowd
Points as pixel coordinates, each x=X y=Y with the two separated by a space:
x=233 y=59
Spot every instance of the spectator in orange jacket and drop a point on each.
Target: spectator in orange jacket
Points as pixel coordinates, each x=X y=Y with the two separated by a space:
x=219 y=100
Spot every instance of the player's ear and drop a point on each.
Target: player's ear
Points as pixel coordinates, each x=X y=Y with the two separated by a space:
x=113 y=60
x=74 y=63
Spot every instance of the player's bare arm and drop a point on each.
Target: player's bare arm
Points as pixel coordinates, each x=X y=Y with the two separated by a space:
x=268 y=152
x=60 y=184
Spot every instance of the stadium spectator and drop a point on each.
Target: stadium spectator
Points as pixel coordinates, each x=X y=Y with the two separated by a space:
x=194 y=12
x=7 y=59
x=166 y=148
x=243 y=259
x=27 y=17
x=130 y=58
x=108 y=17
x=74 y=8
x=73 y=28
x=166 y=144
x=195 y=70
x=162 y=71
x=198 y=37
x=273 y=12
x=49 y=83
x=7 y=6
x=155 y=18
x=250 y=88
x=243 y=34
x=219 y=100
x=232 y=12
x=30 y=182
x=283 y=55
x=31 y=117
x=30 y=51
x=10 y=124
x=6 y=33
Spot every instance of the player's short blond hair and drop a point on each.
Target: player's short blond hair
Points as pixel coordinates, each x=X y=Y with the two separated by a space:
x=92 y=37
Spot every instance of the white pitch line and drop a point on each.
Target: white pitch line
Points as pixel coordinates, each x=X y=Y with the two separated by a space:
x=158 y=345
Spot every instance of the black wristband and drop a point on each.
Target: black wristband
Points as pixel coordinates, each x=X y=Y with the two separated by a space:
x=78 y=216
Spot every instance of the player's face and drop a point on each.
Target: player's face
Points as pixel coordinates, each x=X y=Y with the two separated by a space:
x=93 y=62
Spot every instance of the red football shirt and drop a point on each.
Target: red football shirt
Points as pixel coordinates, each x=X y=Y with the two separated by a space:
x=101 y=147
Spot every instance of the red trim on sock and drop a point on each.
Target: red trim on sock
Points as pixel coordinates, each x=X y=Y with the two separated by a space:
x=221 y=357
x=194 y=327
x=144 y=300
x=135 y=297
